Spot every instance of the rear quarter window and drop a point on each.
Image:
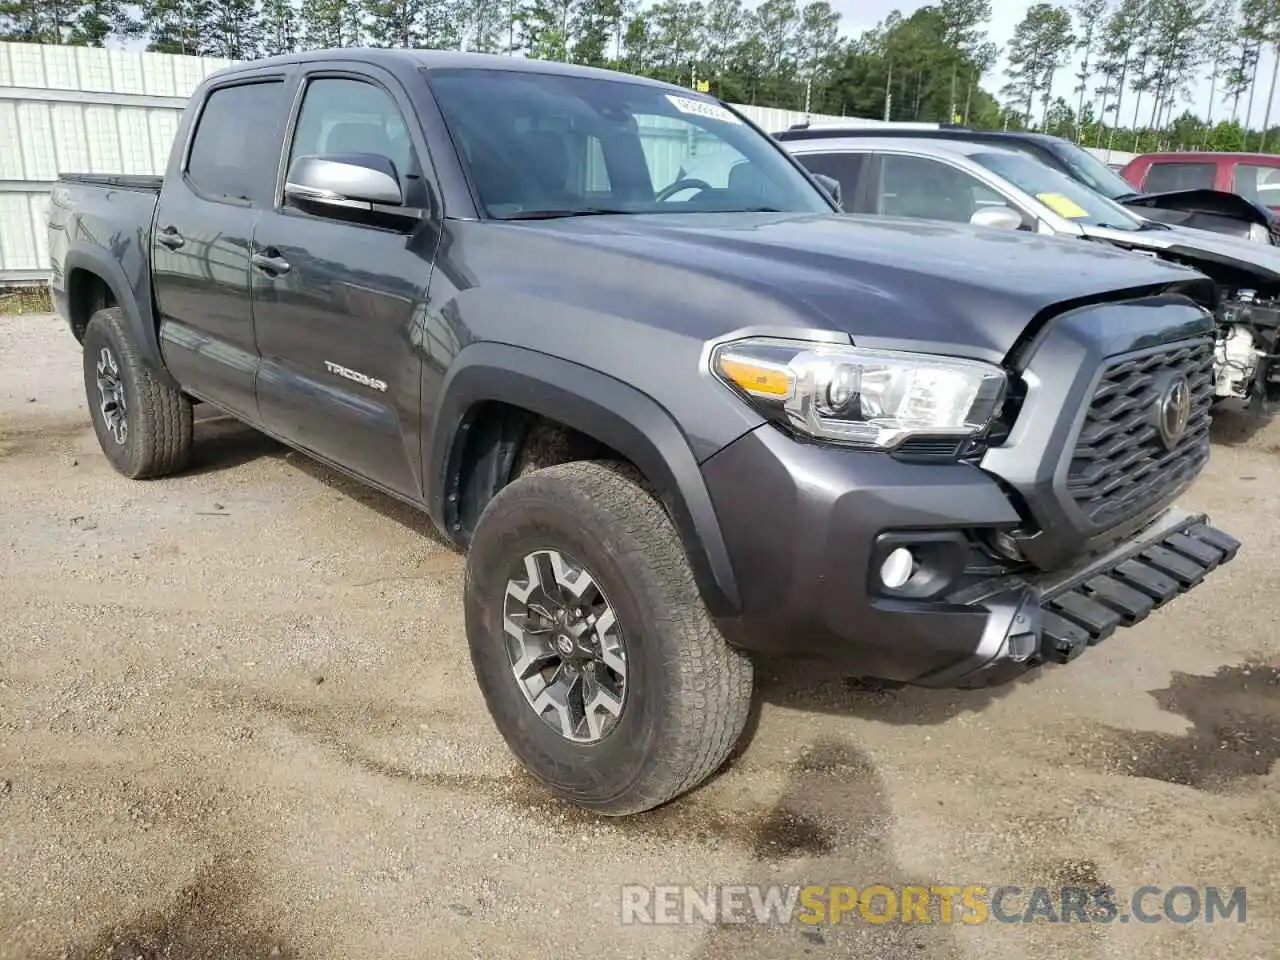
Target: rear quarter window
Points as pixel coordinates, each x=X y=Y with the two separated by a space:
x=235 y=149
x=1258 y=183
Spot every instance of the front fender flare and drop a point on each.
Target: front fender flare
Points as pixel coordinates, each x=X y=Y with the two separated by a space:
x=606 y=409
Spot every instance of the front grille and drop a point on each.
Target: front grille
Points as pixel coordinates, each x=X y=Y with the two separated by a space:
x=1120 y=464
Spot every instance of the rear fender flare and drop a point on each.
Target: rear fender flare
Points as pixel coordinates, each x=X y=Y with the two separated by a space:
x=138 y=317
x=601 y=407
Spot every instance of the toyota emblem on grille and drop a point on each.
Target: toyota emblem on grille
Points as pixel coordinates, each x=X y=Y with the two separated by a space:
x=1174 y=412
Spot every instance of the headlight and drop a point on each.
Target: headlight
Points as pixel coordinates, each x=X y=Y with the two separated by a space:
x=1259 y=233
x=871 y=398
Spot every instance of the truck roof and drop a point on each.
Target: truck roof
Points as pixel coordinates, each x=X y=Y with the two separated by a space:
x=443 y=60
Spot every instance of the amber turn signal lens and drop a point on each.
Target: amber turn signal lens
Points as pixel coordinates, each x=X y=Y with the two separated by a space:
x=756 y=378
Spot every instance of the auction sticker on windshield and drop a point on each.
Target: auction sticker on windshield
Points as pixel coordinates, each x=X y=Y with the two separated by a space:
x=1063 y=206
x=702 y=108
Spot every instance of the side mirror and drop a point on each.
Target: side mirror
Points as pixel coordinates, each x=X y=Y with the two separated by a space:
x=829 y=184
x=351 y=181
x=1001 y=217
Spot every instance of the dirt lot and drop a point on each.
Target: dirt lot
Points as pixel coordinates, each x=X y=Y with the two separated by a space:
x=237 y=719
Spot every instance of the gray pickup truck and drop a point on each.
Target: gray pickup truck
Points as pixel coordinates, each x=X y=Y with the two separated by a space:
x=674 y=424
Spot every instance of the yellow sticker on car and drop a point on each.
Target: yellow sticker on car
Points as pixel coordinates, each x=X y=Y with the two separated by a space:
x=1062 y=206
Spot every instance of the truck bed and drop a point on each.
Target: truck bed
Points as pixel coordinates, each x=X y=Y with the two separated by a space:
x=108 y=218
x=121 y=181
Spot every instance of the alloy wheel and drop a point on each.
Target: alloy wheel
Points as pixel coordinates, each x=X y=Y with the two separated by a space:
x=565 y=646
x=111 y=397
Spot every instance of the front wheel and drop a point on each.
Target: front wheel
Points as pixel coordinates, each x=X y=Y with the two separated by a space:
x=596 y=657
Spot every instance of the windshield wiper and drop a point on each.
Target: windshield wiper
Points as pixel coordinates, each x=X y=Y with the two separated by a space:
x=557 y=214
x=1126 y=197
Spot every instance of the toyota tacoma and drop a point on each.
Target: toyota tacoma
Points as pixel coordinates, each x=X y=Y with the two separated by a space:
x=673 y=424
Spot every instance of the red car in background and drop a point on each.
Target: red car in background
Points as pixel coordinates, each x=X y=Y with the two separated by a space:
x=1254 y=176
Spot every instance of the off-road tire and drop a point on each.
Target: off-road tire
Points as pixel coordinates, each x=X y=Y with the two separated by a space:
x=158 y=440
x=689 y=692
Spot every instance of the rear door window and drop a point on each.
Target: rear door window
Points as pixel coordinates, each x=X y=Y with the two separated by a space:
x=928 y=189
x=234 y=152
x=1165 y=176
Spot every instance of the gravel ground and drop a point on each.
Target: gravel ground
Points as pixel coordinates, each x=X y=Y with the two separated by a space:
x=237 y=719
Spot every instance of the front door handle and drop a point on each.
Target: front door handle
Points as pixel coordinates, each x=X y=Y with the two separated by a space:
x=273 y=266
x=170 y=237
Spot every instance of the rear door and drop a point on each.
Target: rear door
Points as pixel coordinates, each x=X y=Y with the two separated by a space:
x=337 y=297
x=214 y=191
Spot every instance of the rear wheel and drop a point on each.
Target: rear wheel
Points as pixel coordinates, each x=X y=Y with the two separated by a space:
x=143 y=426
x=594 y=652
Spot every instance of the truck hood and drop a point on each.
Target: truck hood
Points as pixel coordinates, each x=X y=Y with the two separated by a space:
x=885 y=281
x=1203 y=249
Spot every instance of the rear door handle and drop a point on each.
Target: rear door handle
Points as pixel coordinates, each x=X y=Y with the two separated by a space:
x=273 y=266
x=170 y=237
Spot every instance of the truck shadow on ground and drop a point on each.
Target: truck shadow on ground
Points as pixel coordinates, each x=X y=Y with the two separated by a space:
x=223 y=443
x=833 y=784
x=816 y=687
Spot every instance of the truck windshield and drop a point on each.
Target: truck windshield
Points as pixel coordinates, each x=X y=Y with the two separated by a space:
x=548 y=145
x=1058 y=192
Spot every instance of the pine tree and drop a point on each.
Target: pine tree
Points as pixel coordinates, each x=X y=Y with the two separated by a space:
x=1243 y=59
x=483 y=25
x=279 y=27
x=1041 y=44
x=590 y=29
x=38 y=21
x=323 y=23
x=1089 y=24
x=544 y=28
x=234 y=30
x=96 y=21
x=396 y=23
x=178 y=26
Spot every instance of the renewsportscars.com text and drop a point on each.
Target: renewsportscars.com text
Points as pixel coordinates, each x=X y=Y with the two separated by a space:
x=939 y=903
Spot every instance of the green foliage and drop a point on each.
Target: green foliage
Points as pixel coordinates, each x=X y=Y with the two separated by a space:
x=1132 y=62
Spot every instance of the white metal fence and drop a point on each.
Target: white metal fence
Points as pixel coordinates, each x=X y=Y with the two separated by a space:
x=79 y=109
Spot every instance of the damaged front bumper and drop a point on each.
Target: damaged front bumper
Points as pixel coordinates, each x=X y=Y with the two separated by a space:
x=1054 y=618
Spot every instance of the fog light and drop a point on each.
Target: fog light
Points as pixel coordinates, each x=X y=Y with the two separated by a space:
x=897 y=568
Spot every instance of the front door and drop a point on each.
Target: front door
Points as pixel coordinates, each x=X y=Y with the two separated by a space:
x=336 y=298
x=200 y=244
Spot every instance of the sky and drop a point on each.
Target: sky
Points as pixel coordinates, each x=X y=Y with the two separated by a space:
x=860 y=15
